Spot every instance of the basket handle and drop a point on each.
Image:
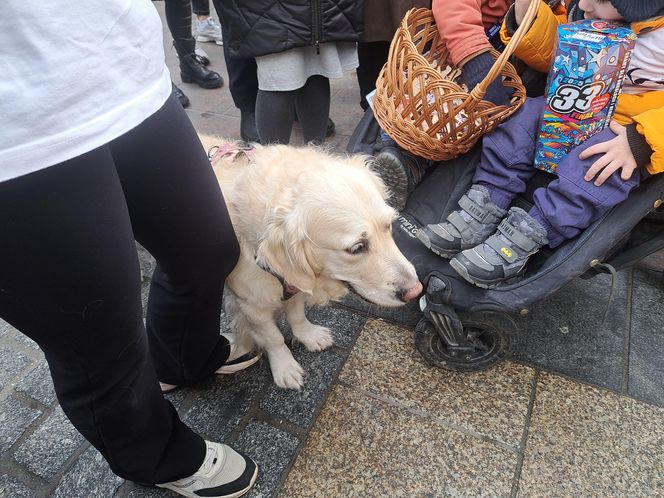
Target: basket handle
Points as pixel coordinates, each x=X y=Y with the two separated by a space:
x=480 y=89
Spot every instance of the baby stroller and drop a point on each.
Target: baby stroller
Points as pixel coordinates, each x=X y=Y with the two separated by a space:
x=466 y=328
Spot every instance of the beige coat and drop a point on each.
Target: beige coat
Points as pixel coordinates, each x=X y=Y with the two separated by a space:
x=382 y=17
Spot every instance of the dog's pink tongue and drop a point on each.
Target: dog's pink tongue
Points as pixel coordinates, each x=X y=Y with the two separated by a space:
x=413 y=292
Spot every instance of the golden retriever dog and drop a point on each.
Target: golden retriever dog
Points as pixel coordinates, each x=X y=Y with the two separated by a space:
x=311 y=227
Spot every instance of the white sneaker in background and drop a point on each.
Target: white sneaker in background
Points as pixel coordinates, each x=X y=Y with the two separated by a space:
x=225 y=473
x=202 y=56
x=208 y=30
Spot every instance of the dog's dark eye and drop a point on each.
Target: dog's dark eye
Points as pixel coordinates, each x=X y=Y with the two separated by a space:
x=358 y=248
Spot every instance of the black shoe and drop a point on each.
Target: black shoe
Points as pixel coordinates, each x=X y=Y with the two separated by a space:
x=401 y=172
x=184 y=100
x=192 y=71
x=248 y=130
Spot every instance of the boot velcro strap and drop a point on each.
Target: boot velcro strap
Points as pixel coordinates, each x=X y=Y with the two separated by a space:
x=459 y=223
x=498 y=245
x=514 y=235
x=480 y=213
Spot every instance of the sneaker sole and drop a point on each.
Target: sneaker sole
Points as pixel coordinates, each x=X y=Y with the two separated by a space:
x=202 y=84
x=209 y=39
x=461 y=270
x=396 y=181
x=231 y=369
x=243 y=491
x=424 y=238
x=484 y=284
x=168 y=388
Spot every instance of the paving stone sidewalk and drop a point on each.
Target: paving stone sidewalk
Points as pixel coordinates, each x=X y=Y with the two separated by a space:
x=578 y=411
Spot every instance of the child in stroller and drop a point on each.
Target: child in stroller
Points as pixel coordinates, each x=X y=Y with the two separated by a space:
x=466 y=327
x=588 y=183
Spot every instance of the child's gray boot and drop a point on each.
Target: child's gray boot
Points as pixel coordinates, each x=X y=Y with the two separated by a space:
x=465 y=227
x=505 y=253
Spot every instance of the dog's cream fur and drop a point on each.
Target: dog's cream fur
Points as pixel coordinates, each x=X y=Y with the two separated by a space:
x=321 y=223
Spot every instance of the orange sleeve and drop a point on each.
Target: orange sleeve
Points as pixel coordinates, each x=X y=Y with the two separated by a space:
x=461 y=28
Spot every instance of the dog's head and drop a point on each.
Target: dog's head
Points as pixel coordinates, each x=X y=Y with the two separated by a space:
x=331 y=231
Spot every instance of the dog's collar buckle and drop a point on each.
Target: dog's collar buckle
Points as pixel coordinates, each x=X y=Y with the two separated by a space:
x=288 y=290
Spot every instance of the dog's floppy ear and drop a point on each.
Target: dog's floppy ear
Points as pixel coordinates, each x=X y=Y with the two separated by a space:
x=286 y=250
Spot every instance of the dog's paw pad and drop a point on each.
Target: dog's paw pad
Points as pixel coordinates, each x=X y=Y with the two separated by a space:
x=316 y=338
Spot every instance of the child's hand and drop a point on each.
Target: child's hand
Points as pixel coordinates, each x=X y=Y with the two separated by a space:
x=520 y=8
x=617 y=155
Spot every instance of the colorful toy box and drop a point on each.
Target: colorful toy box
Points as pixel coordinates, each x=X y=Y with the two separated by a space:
x=583 y=86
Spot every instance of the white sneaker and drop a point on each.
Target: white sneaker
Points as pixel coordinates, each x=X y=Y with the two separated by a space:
x=238 y=359
x=225 y=473
x=208 y=30
x=202 y=56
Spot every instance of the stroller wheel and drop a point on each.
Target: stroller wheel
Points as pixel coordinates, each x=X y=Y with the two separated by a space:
x=487 y=342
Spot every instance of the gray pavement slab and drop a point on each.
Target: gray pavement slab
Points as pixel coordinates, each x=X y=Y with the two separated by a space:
x=216 y=406
x=569 y=333
x=299 y=407
x=38 y=384
x=272 y=449
x=48 y=448
x=15 y=418
x=12 y=487
x=13 y=362
x=89 y=477
x=646 y=352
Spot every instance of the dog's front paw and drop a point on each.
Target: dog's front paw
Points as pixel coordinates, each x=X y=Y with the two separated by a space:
x=314 y=337
x=286 y=371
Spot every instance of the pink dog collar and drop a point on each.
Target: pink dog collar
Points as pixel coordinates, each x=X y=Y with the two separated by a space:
x=288 y=290
x=231 y=151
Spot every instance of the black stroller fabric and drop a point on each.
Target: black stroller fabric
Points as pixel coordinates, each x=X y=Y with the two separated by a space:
x=437 y=195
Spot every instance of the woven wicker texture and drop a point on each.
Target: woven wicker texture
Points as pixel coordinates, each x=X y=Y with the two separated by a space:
x=420 y=101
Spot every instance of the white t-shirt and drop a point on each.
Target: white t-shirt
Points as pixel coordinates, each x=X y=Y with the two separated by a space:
x=74 y=75
x=646 y=67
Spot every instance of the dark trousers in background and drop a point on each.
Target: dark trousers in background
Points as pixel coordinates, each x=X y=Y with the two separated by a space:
x=569 y=204
x=70 y=280
x=242 y=81
x=178 y=19
x=372 y=56
x=201 y=7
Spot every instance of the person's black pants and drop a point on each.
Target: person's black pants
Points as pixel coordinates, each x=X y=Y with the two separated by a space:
x=70 y=280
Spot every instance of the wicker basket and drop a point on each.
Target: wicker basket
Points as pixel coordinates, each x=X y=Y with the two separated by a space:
x=421 y=104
